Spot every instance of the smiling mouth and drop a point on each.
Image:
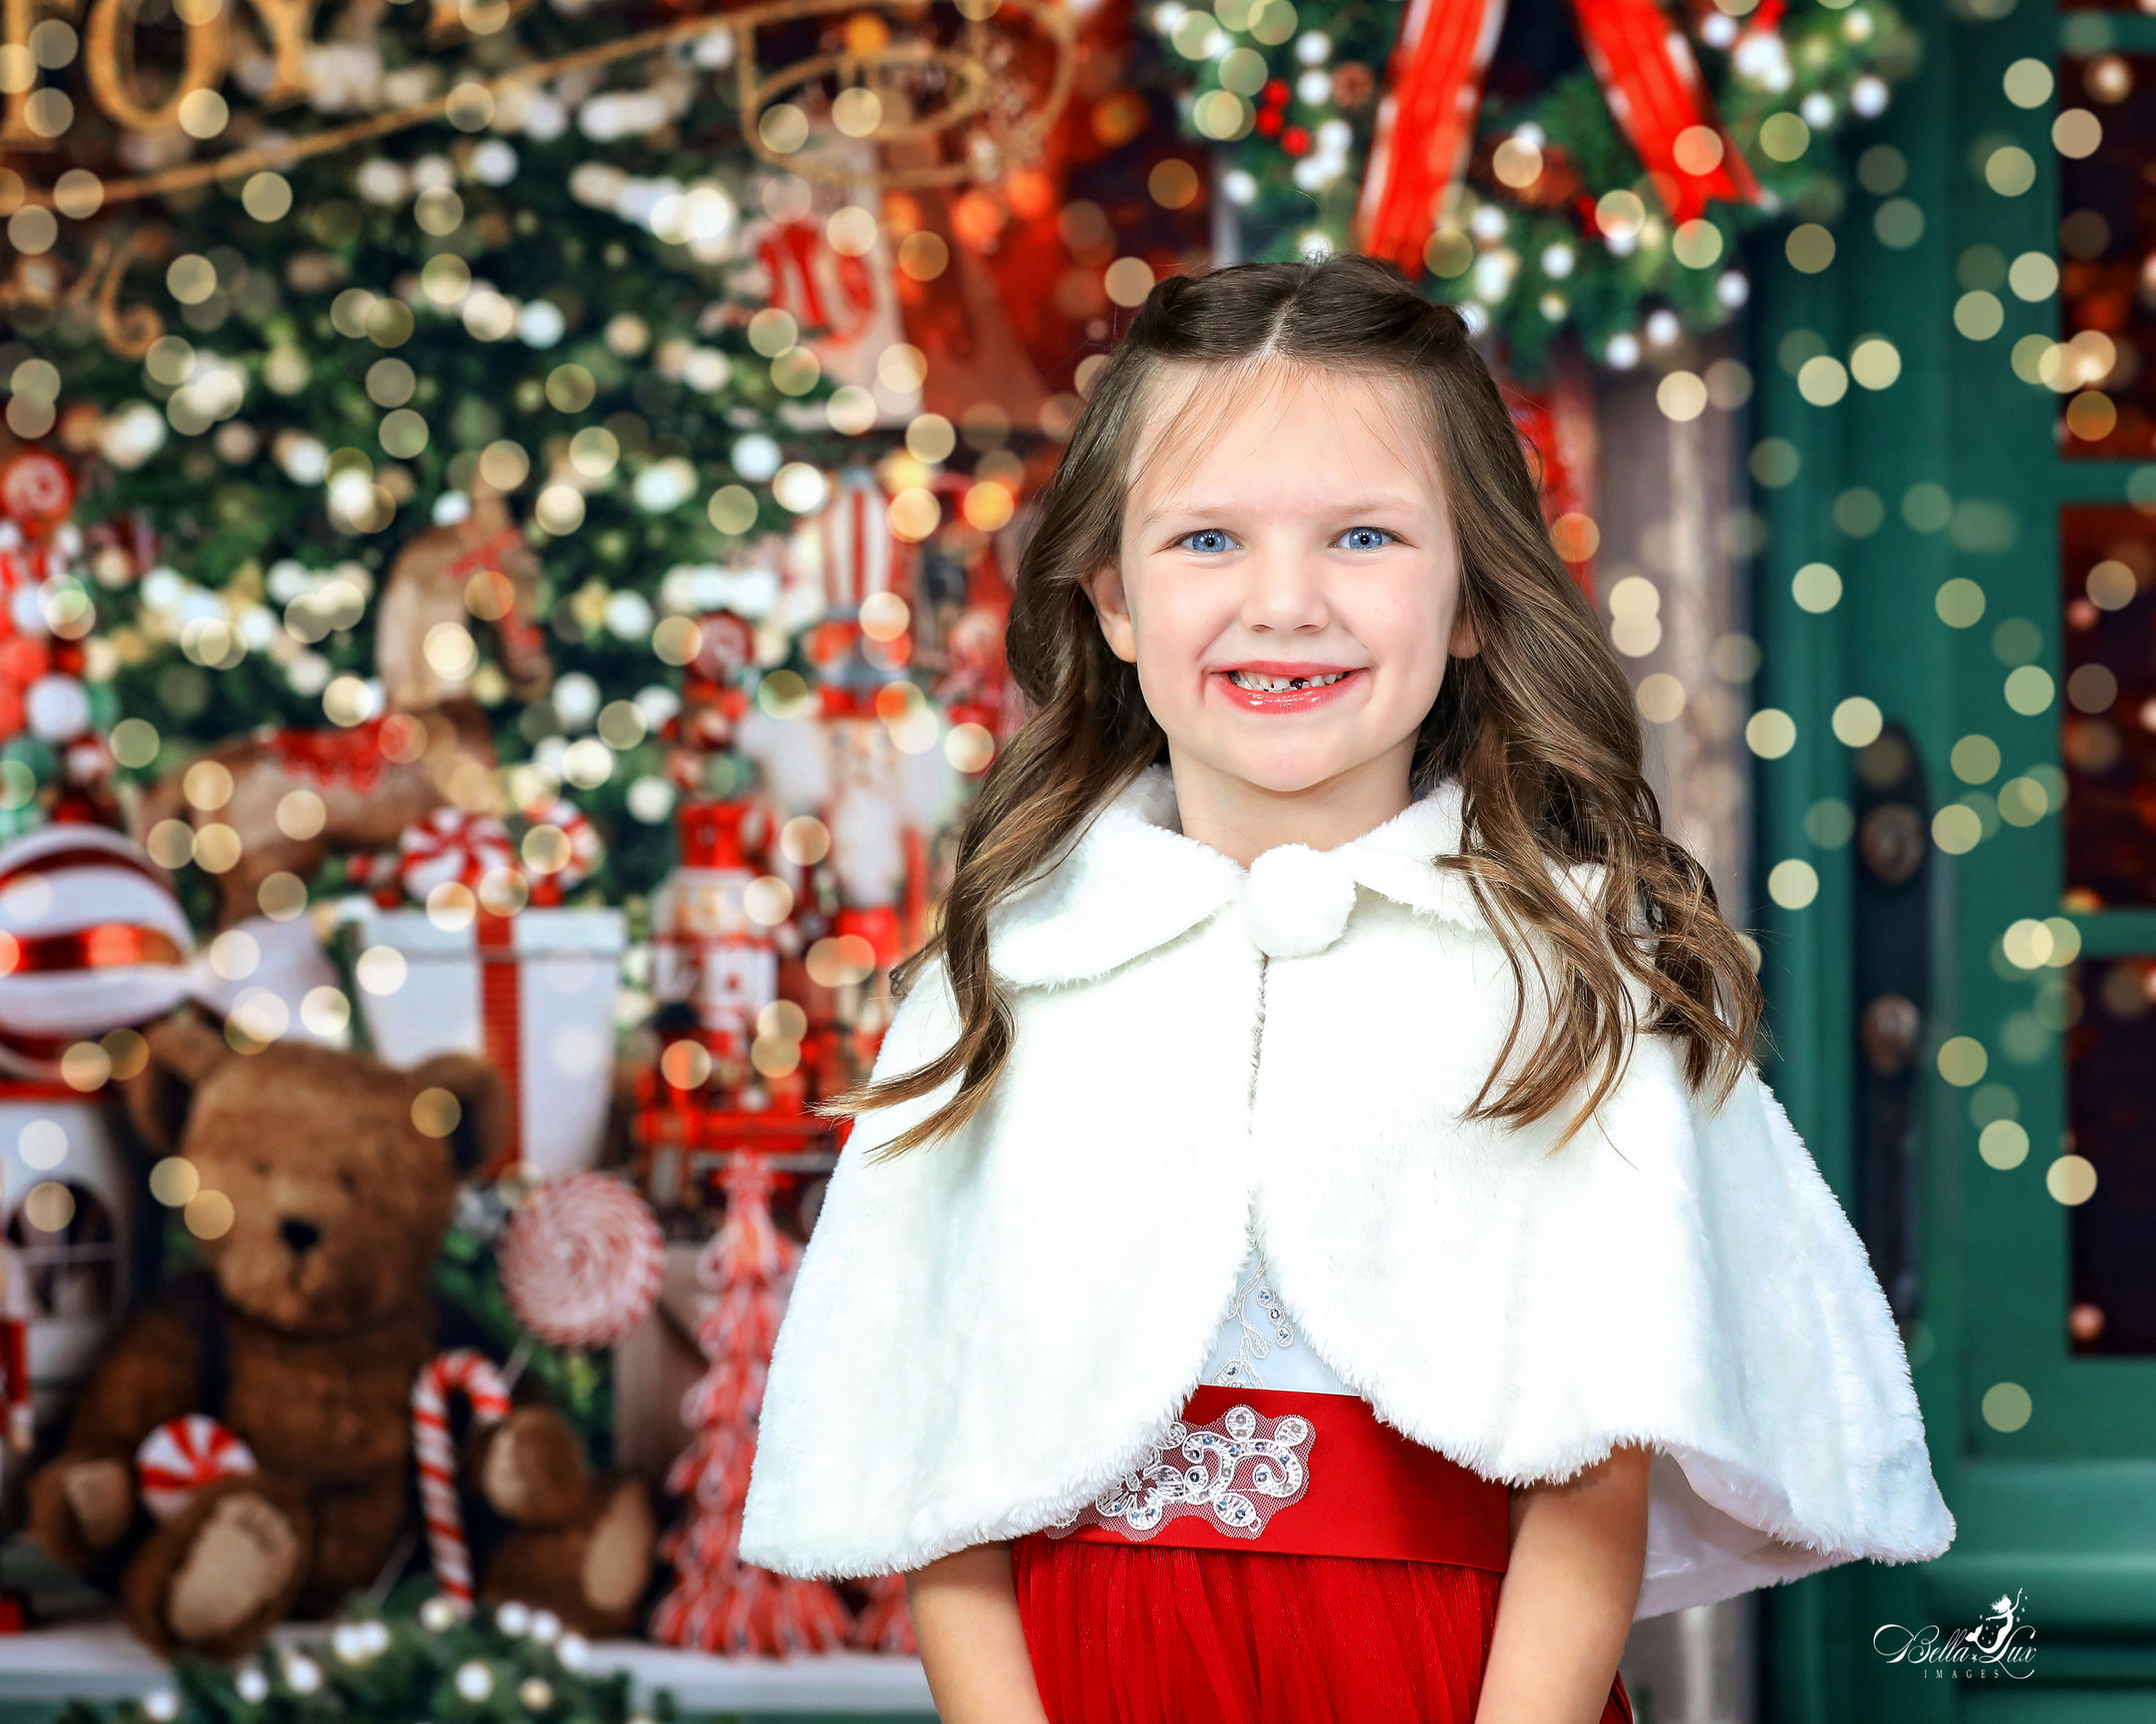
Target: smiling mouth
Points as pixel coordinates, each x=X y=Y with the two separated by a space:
x=1283 y=688
x=1259 y=683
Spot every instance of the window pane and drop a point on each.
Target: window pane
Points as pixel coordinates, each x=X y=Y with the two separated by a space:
x=2107 y=209
x=2111 y=1114
x=65 y=1247
x=2107 y=742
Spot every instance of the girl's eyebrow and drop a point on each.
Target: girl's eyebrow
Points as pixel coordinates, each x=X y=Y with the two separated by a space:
x=1405 y=502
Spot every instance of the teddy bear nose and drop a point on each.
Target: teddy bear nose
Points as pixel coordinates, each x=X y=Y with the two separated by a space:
x=301 y=1236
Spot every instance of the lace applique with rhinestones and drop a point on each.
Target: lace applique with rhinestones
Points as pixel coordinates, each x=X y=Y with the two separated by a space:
x=1239 y=1470
x=1261 y=1337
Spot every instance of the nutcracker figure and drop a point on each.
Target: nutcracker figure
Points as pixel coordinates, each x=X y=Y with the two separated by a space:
x=714 y=928
x=713 y=700
x=877 y=869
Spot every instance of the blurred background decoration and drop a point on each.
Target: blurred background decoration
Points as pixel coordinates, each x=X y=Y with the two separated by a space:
x=509 y=509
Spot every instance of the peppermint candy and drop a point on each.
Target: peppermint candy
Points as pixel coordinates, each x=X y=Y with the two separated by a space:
x=581 y=1260
x=584 y=844
x=450 y=847
x=183 y=1457
x=37 y=491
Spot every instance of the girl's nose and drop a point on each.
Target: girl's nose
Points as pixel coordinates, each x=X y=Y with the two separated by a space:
x=1285 y=593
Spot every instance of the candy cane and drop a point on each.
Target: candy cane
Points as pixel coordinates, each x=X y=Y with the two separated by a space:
x=481 y=1383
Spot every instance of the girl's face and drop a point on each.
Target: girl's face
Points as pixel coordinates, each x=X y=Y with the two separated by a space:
x=1289 y=584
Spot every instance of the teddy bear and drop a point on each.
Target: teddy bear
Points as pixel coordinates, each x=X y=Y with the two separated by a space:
x=303 y=1336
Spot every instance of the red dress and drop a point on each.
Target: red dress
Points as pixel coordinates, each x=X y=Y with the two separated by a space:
x=1290 y=1560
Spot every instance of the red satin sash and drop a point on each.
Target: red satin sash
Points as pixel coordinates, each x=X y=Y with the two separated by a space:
x=1371 y=1491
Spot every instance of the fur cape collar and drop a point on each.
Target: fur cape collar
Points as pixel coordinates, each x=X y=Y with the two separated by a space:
x=1133 y=882
x=987 y=1332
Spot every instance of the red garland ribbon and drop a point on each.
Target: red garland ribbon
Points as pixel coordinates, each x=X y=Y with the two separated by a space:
x=1425 y=121
x=1656 y=93
x=1558 y=423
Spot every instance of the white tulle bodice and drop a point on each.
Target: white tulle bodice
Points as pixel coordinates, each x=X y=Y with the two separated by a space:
x=1257 y=1346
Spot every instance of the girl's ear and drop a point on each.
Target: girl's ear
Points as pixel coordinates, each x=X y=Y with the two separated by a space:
x=1105 y=586
x=1465 y=644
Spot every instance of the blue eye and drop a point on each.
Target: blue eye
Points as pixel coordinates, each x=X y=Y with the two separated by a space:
x=1206 y=540
x=1365 y=538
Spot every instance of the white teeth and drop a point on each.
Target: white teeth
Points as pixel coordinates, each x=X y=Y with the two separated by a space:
x=1282 y=684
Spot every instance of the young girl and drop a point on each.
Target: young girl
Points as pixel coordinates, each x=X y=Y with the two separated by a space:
x=1315 y=1245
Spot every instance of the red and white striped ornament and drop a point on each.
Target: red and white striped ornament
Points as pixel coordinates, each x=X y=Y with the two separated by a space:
x=92 y=939
x=450 y=847
x=183 y=1457
x=581 y=1260
x=472 y=1375
x=824 y=289
x=859 y=550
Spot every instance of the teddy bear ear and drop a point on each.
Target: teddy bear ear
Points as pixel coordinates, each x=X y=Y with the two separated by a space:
x=183 y=1051
x=482 y=1124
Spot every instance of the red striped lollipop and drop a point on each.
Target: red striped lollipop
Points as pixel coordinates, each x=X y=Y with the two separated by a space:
x=581 y=1260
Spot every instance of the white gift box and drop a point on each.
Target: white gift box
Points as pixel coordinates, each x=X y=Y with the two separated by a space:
x=564 y=967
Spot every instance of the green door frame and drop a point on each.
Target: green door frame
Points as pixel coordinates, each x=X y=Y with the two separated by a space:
x=2063 y=1505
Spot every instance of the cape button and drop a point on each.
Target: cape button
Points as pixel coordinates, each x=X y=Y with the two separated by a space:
x=1295 y=900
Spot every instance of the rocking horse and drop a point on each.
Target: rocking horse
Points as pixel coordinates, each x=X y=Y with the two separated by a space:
x=432 y=744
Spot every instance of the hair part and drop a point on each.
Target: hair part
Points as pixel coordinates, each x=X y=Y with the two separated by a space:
x=1538 y=724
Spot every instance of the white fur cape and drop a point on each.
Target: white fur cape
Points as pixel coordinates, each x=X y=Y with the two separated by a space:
x=987 y=1332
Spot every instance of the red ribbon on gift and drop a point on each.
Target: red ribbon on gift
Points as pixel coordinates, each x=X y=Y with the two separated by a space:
x=502 y=1025
x=1425 y=121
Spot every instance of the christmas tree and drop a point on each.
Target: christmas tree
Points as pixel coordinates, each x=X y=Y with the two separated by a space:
x=552 y=294
x=718 y=1602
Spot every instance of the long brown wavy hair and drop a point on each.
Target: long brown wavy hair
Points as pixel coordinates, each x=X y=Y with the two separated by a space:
x=1538 y=724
